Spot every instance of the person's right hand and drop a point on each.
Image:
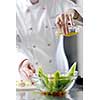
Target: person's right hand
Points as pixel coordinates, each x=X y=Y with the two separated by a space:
x=26 y=69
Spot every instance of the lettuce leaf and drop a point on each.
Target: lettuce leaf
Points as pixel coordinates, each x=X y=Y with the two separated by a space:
x=57 y=82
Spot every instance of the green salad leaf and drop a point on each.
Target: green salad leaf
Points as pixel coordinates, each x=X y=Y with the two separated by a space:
x=72 y=70
x=58 y=82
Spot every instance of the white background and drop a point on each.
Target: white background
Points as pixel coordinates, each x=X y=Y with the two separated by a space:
x=91 y=49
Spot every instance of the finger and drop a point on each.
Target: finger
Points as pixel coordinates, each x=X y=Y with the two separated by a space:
x=30 y=73
x=67 y=23
x=60 y=23
x=30 y=66
x=63 y=18
x=64 y=26
x=27 y=72
x=24 y=74
x=71 y=20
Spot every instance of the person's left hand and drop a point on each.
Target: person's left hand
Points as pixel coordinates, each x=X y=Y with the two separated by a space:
x=63 y=22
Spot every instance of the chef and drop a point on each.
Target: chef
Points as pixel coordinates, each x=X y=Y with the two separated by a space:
x=38 y=42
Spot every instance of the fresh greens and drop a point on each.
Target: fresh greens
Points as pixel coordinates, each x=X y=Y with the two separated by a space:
x=57 y=82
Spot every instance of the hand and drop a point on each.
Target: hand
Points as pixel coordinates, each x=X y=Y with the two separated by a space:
x=63 y=22
x=26 y=69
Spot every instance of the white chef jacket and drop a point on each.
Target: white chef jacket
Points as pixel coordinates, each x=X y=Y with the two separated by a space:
x=36 y=38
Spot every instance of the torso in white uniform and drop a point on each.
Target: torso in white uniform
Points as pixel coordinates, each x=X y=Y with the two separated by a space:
x=36 y=30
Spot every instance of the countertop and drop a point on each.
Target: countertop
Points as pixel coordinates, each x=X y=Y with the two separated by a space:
x=76 y=93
